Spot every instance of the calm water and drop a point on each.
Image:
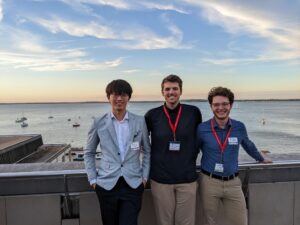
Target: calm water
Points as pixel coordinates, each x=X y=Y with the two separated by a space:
x=280 y=134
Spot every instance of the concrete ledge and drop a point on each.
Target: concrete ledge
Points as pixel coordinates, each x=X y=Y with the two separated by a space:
x=19 y=149
x=274 y=195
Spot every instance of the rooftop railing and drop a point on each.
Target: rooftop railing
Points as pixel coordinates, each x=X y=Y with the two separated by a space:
x=58 y=193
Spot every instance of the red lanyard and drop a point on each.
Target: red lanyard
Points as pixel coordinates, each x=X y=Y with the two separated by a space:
x=173 y=127
x=222 y=146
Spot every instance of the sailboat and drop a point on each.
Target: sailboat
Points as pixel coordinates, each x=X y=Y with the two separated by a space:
x=22 y=119
x=23 y=124
x=76 y=124
x=19 y=120
x=50 y=117
x=263 y=120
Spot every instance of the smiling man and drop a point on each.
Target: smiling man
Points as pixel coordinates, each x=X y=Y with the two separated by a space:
x=220 y=138
x=123 y=171
x=172 y=127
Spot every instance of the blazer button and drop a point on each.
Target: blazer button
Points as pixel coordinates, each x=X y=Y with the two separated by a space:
x=118 y=153
x=122 y=165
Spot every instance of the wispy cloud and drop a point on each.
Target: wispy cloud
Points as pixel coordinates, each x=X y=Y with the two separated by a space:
x=26 y=51
x=92 y=29
x=83 y=6
x=144 y=39
x=127 y=38
x=159 y=6
x=136 y=5
x=283 y=35
x=267 y=57
x=1 y=10
x=131 y=71
x=119 y=4
x=53 y=62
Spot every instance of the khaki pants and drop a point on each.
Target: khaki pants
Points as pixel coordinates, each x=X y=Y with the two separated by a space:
x=214 y=191
x=175 y=204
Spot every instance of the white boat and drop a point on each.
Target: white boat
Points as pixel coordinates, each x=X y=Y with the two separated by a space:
x=76 y=124
x=20 y=120
x=23 y=124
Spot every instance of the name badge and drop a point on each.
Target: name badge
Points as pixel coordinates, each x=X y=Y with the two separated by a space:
x=219 y=168
x=233 y=141
x=135 y=146
x=174 y=146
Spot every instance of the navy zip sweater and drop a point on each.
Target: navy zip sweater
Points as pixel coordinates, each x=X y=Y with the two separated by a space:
x=172 y=167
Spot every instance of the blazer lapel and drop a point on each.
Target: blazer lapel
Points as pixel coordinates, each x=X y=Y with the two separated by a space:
x=131 y=124
x=111 y=130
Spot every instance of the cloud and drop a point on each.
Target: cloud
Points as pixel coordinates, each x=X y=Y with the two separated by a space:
x=267 y=57
x=126 y=38
x=147 y=40
x=136 y=5
x=159 y=6
x=119 y=4
x=26 y=51
x=1 y=10
x=92 y=29
x=131 y=71
x=53 y=62
x=83 y=5
x=281 y=32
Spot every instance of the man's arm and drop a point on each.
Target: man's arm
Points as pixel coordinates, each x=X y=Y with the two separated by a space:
x=147 y=153
x=250 y=147
x=89 y=154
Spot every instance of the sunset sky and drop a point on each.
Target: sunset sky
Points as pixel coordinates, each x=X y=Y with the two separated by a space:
x=68 y=50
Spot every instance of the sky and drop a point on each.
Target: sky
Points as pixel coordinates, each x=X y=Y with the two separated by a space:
x=69 y=50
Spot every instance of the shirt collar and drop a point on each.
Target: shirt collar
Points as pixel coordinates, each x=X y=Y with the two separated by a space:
x=125 y=117
x=229 y=123
x=172 y=110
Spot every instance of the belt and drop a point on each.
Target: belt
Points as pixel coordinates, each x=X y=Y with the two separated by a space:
x=223 y=178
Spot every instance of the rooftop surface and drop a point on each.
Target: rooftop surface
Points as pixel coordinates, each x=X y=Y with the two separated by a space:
x=45 y=153
x=10 y=140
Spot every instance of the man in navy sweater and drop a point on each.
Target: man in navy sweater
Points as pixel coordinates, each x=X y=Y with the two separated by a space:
x=174 y=151
x=220 y=139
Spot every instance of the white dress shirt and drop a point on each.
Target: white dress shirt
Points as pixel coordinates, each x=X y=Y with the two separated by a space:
x=122 y=131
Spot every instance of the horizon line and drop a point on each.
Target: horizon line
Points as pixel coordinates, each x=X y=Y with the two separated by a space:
x=143 y=101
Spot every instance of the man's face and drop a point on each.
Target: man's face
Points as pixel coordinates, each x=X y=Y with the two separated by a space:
x=221 y=107
x=118 y=102
x=171 y=91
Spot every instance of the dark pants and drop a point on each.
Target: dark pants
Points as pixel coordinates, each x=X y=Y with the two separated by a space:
x=121 y=205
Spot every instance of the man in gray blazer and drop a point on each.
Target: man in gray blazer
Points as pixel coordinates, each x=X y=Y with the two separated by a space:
x=123 y=170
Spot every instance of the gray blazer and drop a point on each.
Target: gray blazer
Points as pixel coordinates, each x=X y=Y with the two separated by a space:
x=136 y=164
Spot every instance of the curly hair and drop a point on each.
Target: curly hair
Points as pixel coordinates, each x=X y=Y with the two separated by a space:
x=220 y=91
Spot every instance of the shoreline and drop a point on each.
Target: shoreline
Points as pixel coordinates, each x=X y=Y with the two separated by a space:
x=150 y=101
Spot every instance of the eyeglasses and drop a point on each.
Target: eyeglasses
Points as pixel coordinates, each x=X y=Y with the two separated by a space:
x=224 y=104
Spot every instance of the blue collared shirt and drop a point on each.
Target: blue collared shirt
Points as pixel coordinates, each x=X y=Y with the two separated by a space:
x=211 y=151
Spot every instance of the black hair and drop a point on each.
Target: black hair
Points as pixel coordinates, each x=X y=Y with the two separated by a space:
x=118 y=87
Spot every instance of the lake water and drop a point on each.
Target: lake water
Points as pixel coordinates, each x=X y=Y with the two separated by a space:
x=280 y=134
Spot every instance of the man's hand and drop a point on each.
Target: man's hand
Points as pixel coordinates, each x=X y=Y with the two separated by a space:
x=144 y=183
x=267 y=161
x=94 y=186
